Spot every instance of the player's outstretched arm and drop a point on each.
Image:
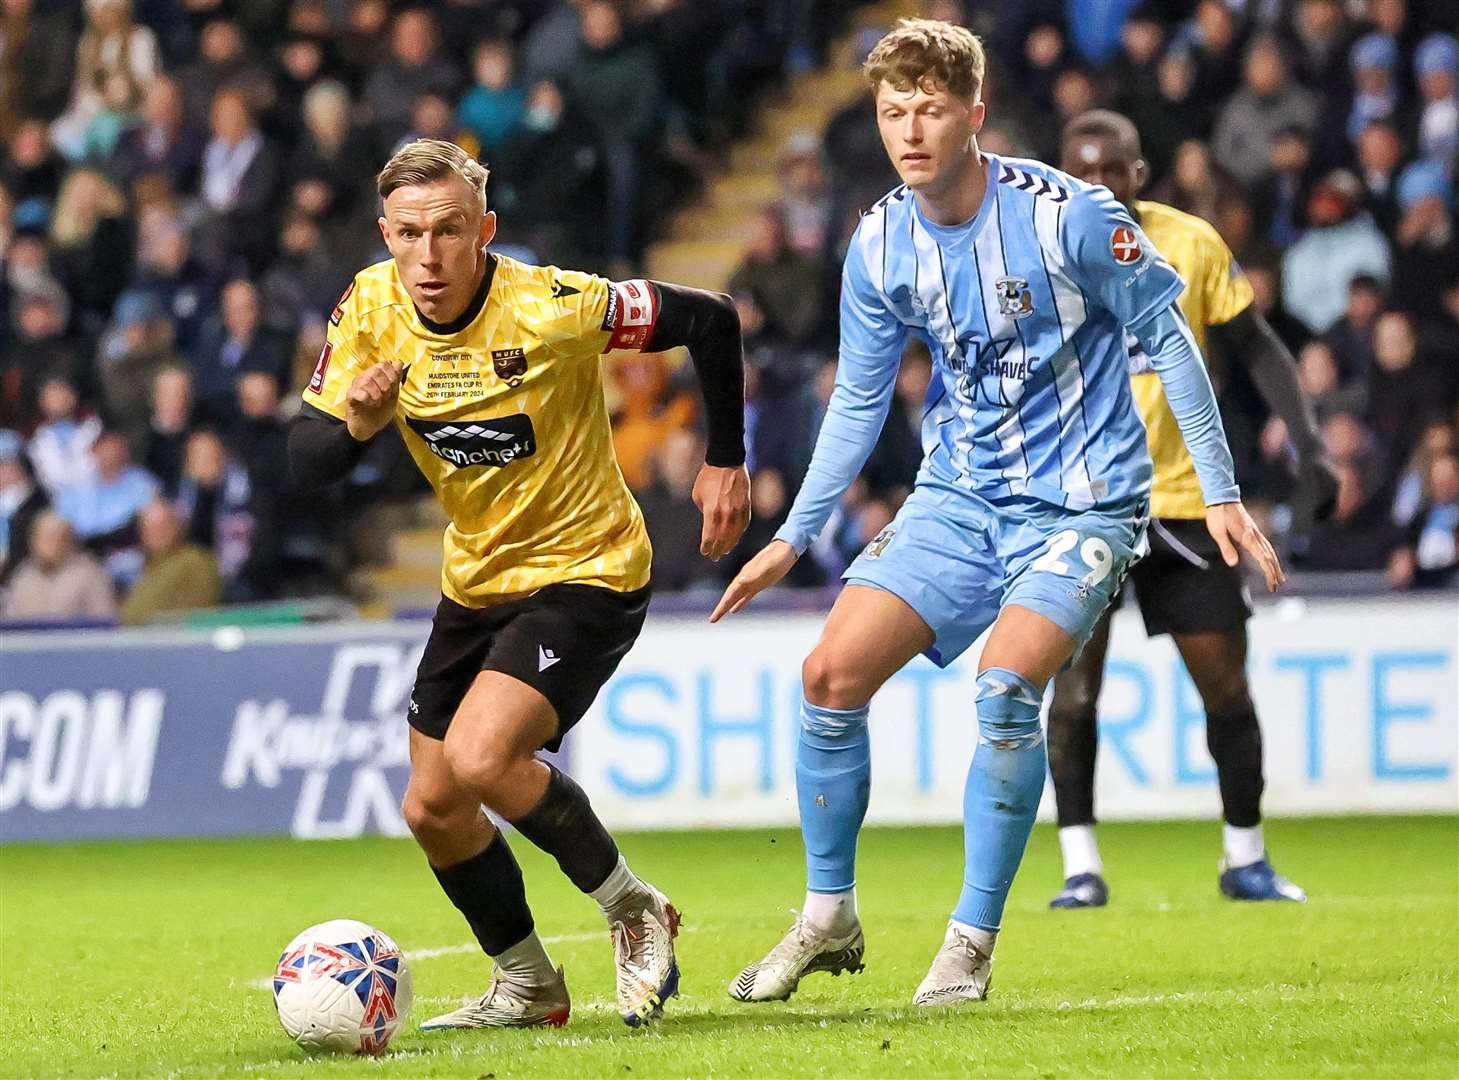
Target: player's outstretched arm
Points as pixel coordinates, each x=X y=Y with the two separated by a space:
x=1234 y=531
x=854 y=420
x=707 y=324
x=1117 y=266
x=771 y=564
x=1167 y=340
x=323 y=449
x=871 y=350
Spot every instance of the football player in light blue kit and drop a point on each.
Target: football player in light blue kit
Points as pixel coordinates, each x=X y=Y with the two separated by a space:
x=1030 y=505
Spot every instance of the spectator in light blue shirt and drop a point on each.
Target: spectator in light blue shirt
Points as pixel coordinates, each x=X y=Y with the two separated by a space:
x=103 y=510
x=1342 y=244
x=60 y=449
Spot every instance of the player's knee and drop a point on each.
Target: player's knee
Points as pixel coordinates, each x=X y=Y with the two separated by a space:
x=480 y=765
x=833 y=681
x=1008 y=710
x=419 y=817
x=1229 y=695
x=1072 y=737
x=1074 y=705
x=432 y=816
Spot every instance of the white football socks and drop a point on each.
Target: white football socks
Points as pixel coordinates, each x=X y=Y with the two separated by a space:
x=527 y=964
x=832 y=913
x=1081 y=851
x=621 y=884
x=1243 y=846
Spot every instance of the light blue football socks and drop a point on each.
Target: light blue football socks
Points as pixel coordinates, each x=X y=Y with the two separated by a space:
x=1004 y=786
x=833 y=784
x=1005 y=783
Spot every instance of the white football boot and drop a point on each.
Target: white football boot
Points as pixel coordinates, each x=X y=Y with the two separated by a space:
x=643 y=929
x=804 y=950
x=961 y=971
x=507 y=1004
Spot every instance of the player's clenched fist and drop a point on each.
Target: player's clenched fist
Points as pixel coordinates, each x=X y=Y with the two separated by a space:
x=371 y=401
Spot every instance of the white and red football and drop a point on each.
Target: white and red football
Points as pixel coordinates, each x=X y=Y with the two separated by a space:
x=342 y=986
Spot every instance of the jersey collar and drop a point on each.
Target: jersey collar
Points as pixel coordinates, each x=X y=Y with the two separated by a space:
x=971 y=226
x=473 y=309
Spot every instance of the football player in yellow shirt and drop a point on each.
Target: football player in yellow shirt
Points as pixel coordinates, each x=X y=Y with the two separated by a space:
x=1184 y=587
x=489 y=368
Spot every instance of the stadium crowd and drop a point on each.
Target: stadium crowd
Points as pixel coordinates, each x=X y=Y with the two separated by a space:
x=187 y=186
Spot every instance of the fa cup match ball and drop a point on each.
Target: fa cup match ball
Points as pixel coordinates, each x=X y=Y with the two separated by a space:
x=342 y=986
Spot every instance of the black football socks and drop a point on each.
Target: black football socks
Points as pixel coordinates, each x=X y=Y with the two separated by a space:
x=487 y=888
x=563 y=825
x=1234 y=740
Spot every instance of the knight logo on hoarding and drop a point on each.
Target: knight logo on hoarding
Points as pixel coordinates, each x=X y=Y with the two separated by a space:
x=341 y=751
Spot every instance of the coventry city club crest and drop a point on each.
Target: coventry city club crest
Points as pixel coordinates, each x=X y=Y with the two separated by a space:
x=1014 y=299
x=880 y=541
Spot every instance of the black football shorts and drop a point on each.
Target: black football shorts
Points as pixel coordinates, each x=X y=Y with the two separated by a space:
x=563 y=640
x=1183 y=585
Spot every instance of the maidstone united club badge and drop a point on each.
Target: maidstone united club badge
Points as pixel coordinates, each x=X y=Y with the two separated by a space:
x=510 y=365
x=1014 y=299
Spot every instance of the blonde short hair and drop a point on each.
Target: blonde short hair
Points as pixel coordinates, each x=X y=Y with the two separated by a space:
x=426 y=161
x=925 y=54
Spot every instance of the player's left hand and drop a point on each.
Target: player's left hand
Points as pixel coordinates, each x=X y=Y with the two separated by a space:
x=723 y=497
x=1231 y=527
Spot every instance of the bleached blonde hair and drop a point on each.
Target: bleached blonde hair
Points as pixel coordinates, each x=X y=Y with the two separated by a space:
x=426 y=161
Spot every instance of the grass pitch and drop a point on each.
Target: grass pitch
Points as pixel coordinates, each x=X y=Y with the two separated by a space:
x=147 y=959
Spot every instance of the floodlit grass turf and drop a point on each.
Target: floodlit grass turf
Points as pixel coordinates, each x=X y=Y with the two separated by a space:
x=143 y=958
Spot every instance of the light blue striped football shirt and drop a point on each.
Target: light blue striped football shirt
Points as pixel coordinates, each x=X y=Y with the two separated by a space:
x=1024 y=309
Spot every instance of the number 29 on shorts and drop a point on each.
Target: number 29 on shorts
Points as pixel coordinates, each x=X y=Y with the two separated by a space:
x=1093 y=551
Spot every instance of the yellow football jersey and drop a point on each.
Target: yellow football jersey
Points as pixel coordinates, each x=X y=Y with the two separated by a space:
x=1216 y=292
x=505 y=416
